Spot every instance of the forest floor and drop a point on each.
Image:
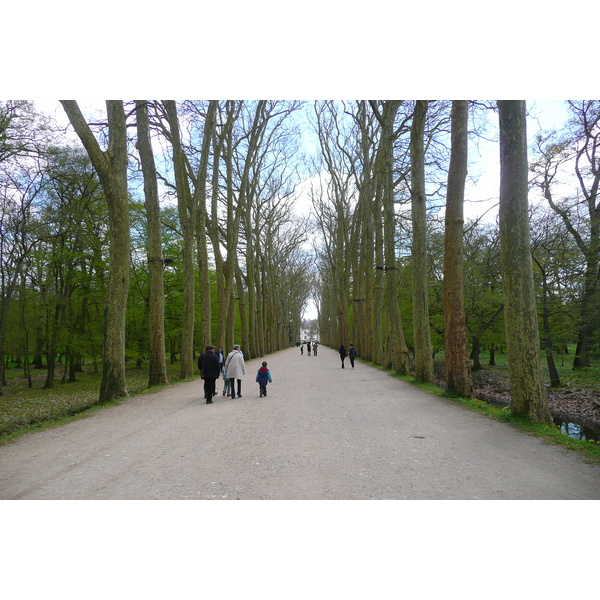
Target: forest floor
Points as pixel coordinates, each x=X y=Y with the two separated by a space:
x=572 y=402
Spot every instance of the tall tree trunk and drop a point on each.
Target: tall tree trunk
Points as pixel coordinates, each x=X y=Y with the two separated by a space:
x=187 y=219
x=552 y=371
x=378 y=356
x=528 y=395
x=396 y=351
x=260 y=313
x=458 y=376
x=366 y=257
x=201 y=233
x=253 y=238
x=54 y=326
x=111 y=166
x=158 y=364
x=227 y=306
x=589 y=309
x=213 y=231
x=27 y=366
x=241 y=296
x=475 y=352
x=421 y=327
x=366 y=262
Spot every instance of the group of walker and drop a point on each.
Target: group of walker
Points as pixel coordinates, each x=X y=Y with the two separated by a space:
x=351 y=354
x=310 y=345
x=213 y=365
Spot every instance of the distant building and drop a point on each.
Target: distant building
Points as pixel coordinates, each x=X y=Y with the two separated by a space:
x=309 y=333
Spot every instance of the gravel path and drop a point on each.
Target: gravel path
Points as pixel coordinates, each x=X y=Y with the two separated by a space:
x=321 y=433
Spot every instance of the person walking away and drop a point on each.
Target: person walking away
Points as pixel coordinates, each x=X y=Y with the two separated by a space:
x=208 y=363
x=352 y=354
x=302 y=350
x=308 y=348
x=263 y=377
x=236 y=369
x=315 y=346
x=219 y=353
x=226 y=391
x=342 y=354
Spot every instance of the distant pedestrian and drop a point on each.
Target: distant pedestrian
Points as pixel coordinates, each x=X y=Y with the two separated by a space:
x=263 y=377
x=308 y=347
x=236 y=369
x=315 y=346
x=208 y=363
x=302 y=350
x=342 y=354
x=352 y=354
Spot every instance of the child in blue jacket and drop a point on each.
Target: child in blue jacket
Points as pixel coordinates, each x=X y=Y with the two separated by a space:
x=263 y=377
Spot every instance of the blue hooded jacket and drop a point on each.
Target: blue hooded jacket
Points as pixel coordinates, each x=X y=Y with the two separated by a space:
x=263 y=376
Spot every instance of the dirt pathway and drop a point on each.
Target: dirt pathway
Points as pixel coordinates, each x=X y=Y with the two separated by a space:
x=322 y=433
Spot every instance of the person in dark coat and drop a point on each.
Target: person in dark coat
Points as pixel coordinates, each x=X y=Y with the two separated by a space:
x=343 y=354
x=352 y=354
x=209 y=366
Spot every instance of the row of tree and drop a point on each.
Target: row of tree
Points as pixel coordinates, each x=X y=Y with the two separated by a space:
x=173 y=227
x=192 y=202
x=389 y=168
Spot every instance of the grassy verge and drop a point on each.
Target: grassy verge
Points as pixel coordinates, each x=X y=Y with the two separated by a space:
x=24 y=409
x=549 y=433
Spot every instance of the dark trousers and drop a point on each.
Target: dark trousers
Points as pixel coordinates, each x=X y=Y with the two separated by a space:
x=263 y=389
x=352 y=361
x=209 y=388
x=232 y=387
x=343 y=359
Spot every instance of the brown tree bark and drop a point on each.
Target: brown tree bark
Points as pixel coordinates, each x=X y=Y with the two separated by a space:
x=158 y=364
x=396 y=349
x=528 y=395
x=458 y=376
x=187 y=219
x=421 y=327
x=111 y=166
x=202 y=226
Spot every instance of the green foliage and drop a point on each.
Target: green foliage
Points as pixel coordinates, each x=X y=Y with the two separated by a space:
x=564 y=366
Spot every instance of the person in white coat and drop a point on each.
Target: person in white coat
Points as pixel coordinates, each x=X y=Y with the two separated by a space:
x=236 y=369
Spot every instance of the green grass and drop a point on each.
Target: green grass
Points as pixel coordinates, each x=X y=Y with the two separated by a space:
x=23 y=409
x=587 y=377
x=548 y=432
